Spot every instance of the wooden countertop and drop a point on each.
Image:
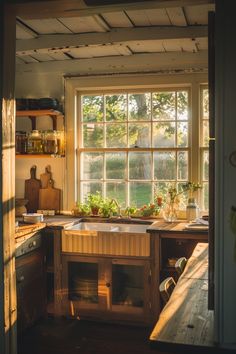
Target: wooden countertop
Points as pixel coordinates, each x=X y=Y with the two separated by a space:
x=177 y=227
x=185 y=319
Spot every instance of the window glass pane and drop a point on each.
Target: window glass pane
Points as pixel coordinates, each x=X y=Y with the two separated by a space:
x=117 y=191
x=205 y=103
x=90 y=187
x=161 y=188
x=164 y=165
x=116 y=135
x=164 y=135
x=140 y=135
x=140 y=165
x=205 y=165
x=92 y=108
x=182 y=134
x=140 y=193
x=140 y=106
x=91 y=165
x=116 y=107
x=115 y=165
x=205 y=133
x=182 y=105
x=92 y=135
x=182 y=165
x=163 y=105
x=205 y=196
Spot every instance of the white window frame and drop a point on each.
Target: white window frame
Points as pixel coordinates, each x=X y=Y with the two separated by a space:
x=74 y=85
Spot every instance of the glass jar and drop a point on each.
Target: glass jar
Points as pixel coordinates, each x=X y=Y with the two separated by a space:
x=170 y=212
x=61 y=142
x=34 y=145
x=21 y=142
x=192 y=210
x=50 y=142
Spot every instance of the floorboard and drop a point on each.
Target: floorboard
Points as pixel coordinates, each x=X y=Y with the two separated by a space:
x=83 y=337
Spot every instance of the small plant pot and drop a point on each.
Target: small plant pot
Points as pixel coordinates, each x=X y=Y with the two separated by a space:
x=94 y=211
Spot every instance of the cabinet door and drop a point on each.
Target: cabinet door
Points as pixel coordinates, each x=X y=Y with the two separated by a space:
x=31 y=289
x=80 y=283
x=130 y=296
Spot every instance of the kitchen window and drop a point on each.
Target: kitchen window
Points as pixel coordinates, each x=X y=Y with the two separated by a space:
x=133 y=144
x=204 y=124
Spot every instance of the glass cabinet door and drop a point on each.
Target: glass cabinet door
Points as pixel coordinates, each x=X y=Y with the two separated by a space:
x=130 y=286
x=83 y=282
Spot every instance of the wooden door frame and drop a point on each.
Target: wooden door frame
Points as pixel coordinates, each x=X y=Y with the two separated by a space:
x=8 y=313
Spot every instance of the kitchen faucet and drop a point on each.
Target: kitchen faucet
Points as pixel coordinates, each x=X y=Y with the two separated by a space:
x=118 y=207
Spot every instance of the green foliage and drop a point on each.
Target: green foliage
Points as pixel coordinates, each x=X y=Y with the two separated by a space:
x=130 y=210
x=81 y=209
x=94 y=200
x=108 y=207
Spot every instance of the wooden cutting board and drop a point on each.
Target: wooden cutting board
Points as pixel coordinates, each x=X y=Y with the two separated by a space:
x=32 y=187
x=45 y=177
x=49 y=198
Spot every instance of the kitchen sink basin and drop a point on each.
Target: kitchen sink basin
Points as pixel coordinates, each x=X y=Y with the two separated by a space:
x=107 y=239
x=110 y=227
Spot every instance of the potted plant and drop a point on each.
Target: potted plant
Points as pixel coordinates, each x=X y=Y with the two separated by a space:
x=94 y=202
x=108 y=208
x=80 y=209
x=130 y=210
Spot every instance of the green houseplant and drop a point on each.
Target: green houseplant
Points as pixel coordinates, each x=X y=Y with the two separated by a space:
x=94 y=202
x=80 y=209
x=108 y=208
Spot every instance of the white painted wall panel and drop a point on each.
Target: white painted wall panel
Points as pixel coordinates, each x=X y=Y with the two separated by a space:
x=198 y=14
x=146 y=46
x=149 y=17
x=176 y=16
x=47 y=26
x=84 y=24
x=117 y=19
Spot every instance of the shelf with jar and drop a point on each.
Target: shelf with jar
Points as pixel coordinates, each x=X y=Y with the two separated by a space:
x=50 y=143
x=47 y=143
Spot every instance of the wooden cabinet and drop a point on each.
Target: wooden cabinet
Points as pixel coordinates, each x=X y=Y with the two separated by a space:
x=169 y=246
x=106 y=288
x=31 y=289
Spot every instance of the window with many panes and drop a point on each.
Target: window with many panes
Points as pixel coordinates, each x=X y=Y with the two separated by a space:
x=204 y=121
x=133 y=144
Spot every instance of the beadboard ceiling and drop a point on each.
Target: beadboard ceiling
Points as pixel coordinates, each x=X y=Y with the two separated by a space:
x=143 y=36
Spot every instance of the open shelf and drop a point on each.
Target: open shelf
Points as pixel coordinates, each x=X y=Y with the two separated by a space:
x=20 y=156
x=33 y=114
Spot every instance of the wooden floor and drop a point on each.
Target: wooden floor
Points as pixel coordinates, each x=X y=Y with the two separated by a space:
x=82 y=337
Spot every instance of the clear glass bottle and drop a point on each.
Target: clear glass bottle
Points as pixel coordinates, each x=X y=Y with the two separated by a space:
x=192 y=210
x=34 y=145
x=61 y=142
x=50 y=142
x=21 y=142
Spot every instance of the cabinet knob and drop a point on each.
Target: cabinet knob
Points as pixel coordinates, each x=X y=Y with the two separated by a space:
x=108 y=285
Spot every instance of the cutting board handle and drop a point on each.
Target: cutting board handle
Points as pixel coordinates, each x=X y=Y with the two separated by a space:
x=50 y=183
x=33 y=172
x=48 y=169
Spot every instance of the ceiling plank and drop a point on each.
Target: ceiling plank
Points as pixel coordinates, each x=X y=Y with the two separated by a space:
x=115 y=36
x=72 y=8
x=134 y=63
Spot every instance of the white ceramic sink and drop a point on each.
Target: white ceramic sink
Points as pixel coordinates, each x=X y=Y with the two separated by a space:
x=109 y=227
